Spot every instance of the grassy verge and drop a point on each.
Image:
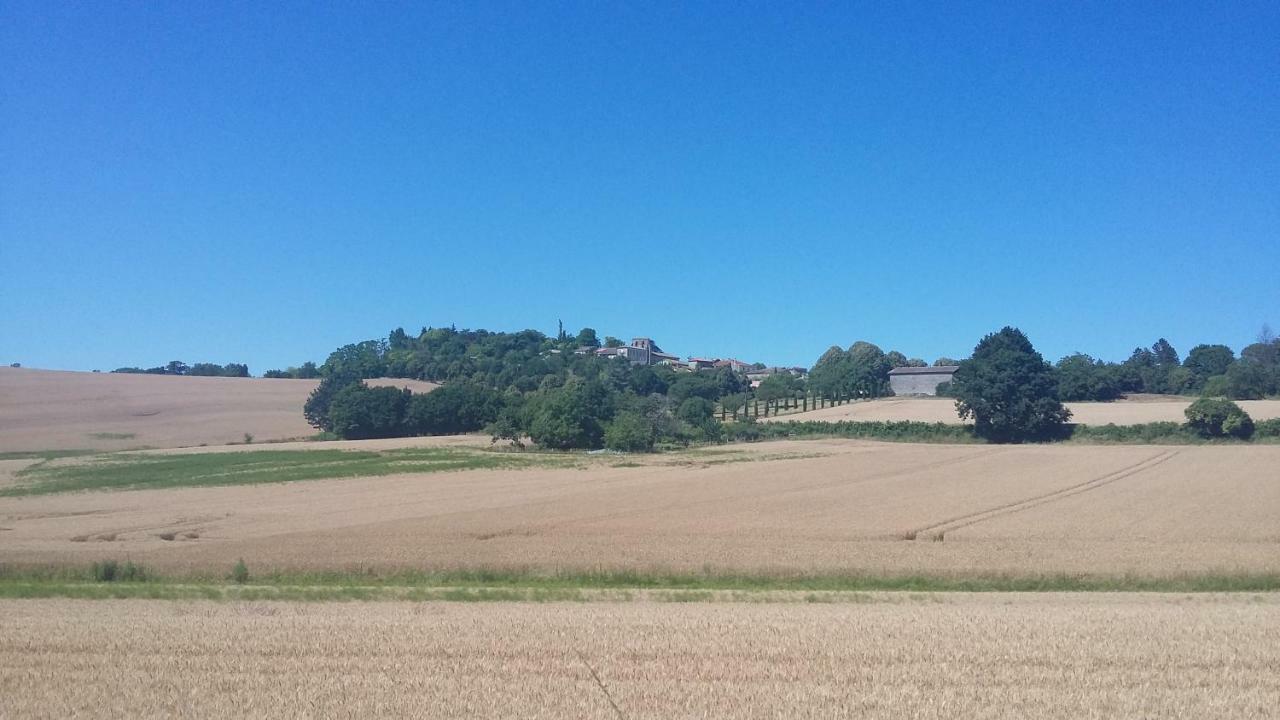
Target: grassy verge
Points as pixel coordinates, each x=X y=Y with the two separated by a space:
x=135 y=471
x=531 y=586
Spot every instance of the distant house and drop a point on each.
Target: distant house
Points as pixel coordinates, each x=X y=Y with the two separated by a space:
x=734 y=365
x=641 y=351
x=701 y=363
x=920 y=380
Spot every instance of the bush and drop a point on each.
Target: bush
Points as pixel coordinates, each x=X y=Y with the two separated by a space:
x=1209 y=417
x=1267 y=428
x=572 y=416
x=240 y=573
x=112 y=571
x=1215 y=387
x=630 y=432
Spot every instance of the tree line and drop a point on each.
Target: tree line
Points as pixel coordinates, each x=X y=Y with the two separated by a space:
x=177 y=367
x=527 y=384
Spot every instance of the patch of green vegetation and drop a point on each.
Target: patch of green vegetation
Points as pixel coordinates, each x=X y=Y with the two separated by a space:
x=45 y=454
x=903 y=431
x=486 y=584
x=113 y=436
x=134 y=471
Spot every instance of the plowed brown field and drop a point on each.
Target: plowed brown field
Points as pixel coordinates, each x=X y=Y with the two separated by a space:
x=986 y=655
x=816 y=506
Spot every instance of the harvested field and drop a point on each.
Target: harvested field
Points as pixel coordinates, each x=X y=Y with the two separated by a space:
x=55 y=410
x=1139 y=410
x=783 y=507
x=937 y=656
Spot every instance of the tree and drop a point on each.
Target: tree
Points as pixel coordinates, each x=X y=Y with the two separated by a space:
x=176 y=367
x=316 y=409
x=612 y=342
x=360 y=412
x=776 y=387
x=945 y=362
x=1211 y=417
x=1080 y=377
x=1164 y=353
x=1205 y=361
x=587 y=338
x=897 y=360
x=572 y=416
x=362 y=360
x=452 y=409
x=1008 y=390
x=630 y=431
x=860 y=371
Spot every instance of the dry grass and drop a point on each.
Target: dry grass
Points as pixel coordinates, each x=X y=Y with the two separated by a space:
x=1142 y=409
x=991 y=656
x=53 y=410
x=826 y=506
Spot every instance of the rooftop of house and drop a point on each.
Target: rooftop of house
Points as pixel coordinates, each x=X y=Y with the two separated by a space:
x=939 y=370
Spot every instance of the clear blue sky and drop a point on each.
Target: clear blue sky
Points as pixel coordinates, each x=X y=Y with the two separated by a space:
x=262 y=182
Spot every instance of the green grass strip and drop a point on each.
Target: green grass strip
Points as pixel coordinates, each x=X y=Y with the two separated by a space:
x=135 y=471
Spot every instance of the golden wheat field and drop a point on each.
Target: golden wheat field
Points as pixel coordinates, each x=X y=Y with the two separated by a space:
x=56 y=410
x=1132 y=411
x=820 y=506
x=938 y=656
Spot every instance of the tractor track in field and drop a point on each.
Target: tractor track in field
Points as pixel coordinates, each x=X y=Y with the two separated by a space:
x=937 y=531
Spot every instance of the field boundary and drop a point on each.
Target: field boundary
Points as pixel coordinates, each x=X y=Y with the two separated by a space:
x=489 y=585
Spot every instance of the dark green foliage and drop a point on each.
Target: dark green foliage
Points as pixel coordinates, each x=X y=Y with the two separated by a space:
x=360 y=412
x=361 y=360
x=1009 y=390
x=573 y=416
x=215 y=370
x=1267 y=428
x=861 y=371
x=1145 y=433
x=240 y=572
x=316 y=409
x=1210 y=417
x=1205 y=361
x=177 y=367
x=700 y=385
x=1080 y=377
x=452 y=409
x=630 y=431
x=113 y=571
x=1215 y=386
x=945 y=362
x=906 y=431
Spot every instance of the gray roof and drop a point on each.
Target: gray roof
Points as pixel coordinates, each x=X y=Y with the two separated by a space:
x=940 y=370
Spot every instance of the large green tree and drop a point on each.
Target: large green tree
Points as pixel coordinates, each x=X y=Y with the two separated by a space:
x=1008 y=390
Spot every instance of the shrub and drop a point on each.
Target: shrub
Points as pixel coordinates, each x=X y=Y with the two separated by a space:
x=113 y=571
x=630 y=432
x=1210 y=417
x=1215 y=387
x=240 y=573
x=1267 y=428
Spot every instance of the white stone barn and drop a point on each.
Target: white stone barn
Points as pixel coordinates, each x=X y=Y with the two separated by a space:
x=920 y=380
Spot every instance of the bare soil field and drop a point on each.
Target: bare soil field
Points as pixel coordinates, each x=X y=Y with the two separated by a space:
x=57 y=410
x=822 y=506
x=942 y=656
x=1133 y=411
